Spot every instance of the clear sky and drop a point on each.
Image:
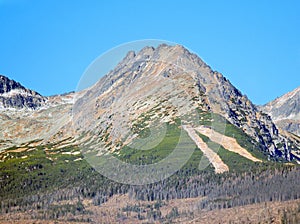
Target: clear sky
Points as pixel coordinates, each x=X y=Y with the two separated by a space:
x=47 y=44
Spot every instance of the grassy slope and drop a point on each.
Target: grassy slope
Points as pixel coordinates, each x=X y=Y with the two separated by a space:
x=39 y=171
x=236 y=162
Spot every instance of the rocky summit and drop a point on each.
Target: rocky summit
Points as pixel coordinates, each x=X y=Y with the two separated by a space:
x=14 y=95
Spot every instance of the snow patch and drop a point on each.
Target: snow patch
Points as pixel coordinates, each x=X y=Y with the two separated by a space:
x=15 y=92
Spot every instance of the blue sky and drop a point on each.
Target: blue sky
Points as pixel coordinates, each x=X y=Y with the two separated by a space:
x=47 y=45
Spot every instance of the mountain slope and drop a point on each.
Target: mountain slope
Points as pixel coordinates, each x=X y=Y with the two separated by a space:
x=27 y=118
x=285 y=111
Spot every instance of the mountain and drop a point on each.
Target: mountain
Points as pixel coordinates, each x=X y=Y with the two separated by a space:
x=196 y=147
x=169 y=77
x=163 y=83
x=14 y=95
x=285 y=111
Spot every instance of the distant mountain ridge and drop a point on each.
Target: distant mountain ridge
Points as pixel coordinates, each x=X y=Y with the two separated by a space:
x=14 y=95
x=285 y=111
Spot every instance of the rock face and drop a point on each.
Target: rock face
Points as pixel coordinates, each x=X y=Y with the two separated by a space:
x=285 y=111
x=14 y=95
x=170 y=77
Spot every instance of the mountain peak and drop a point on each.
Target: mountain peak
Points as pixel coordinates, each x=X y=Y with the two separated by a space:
x=285 y=111
x=176 y=55
x=6 y=84
x=14 y=95
x=286 y=106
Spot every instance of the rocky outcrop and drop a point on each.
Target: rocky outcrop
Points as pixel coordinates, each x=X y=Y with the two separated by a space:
x=14 y=95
